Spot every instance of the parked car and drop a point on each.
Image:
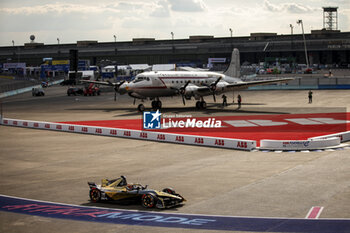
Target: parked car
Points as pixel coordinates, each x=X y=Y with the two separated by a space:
x=308 y=71
x=75 y=91
x=68 y=82
x=91 y=89
x=38 y=91
x=44 y=84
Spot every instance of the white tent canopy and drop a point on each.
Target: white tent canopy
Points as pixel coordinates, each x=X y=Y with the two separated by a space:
x=163 y=67
x=140 y=67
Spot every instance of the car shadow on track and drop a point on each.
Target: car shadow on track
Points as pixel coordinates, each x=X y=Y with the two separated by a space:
x=127 y=205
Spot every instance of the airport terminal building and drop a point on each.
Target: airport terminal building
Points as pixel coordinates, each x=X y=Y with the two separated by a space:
x=324 y=47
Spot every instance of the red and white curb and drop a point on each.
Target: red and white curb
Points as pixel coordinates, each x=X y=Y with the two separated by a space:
x=314 y=212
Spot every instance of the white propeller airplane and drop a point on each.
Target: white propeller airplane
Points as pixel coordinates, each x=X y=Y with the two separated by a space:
x=197 y=84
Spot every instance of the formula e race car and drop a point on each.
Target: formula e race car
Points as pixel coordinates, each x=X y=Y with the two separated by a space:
x=119 y=190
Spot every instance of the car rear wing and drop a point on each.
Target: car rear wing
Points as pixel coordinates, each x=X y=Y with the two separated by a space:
x=92 y=185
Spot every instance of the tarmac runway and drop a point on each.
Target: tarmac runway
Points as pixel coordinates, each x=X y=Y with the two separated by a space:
x=55 y=166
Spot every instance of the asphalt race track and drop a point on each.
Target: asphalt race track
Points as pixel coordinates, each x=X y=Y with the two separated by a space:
x=55 y=166
x=158 y=219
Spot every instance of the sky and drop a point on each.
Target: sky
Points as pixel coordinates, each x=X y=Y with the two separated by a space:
x=74 y=20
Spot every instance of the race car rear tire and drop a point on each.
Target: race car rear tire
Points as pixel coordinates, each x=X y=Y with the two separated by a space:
x=149 y=200
x=95 y=195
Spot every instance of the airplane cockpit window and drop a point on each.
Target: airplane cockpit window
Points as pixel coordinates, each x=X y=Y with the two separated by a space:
x=140 y=79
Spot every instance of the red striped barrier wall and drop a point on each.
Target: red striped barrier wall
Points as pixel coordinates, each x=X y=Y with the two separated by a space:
x=136 y=134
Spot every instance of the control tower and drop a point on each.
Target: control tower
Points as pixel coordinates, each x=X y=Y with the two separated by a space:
x=330 y=18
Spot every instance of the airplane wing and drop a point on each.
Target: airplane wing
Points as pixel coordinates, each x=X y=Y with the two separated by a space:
x=258 y=82
x=100 y=83
x=242 y=85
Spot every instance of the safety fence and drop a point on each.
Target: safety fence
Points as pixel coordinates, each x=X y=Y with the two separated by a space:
x=26 y=89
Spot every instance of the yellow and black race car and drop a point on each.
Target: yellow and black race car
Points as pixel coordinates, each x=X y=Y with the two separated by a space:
x=119 y=189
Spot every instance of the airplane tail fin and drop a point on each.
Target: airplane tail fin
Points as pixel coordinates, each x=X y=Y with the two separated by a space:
x=234 y=68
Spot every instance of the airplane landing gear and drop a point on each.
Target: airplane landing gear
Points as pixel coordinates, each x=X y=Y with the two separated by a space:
x=156 y=104
x=201 y=104
x=141 y=108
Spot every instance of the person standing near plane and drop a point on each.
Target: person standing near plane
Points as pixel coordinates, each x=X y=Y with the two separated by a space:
x=239 y=99
x=224 y=100
x=310 y=97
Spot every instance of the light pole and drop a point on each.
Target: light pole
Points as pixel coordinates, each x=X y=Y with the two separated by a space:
x=115 y=44
x=291 y=37
x=58 y=44
x=14 y=51
x=302 y=28
x=13 y=46
x=231 y=31
x=172 y=41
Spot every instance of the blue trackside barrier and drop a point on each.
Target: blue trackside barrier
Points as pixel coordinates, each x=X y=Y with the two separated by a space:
x=334 y=87
x=26 y=89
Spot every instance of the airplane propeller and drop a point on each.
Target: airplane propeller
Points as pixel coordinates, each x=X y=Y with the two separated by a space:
x=182 y=91
x=116 y=88
x=213 y=87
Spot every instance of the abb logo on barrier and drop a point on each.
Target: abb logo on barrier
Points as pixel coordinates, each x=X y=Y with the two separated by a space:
x=84 y=129
x=180 y=139
x=98 y=130
x=161 y=137
x=25 y=123
x=113 y=132
x=58 y=126
x=241 y=144
x=47 y=126
x=6 y=122
x=143 y=135
x=127 y=133
x=36 y=125
x=71 y=128
x=199 y=140
x=219 y=142
x=15 y=122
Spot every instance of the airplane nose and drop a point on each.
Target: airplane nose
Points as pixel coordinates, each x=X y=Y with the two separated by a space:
x=123 y=88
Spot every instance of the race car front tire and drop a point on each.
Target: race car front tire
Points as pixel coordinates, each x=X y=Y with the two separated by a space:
x=95 y=195
x=149 y=200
